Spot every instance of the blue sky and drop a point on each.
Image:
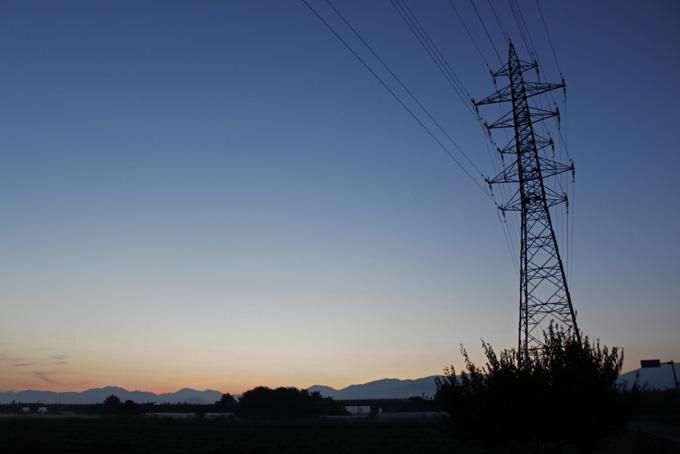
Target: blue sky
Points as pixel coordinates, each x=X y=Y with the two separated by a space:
x=217 y=194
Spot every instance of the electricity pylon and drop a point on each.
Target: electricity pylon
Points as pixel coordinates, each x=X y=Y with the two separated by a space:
x=544 y=294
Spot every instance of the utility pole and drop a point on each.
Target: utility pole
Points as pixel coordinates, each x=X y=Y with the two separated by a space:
x=544 y=295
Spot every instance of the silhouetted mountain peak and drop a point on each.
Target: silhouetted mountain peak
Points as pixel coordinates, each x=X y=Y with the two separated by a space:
x=97 y=395
x=384 y=388
x=112 y=389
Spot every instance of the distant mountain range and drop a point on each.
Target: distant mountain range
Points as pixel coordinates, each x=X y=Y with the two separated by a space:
x=393 y=388
x=387 y=388
x=97 y=395
x=651 y=378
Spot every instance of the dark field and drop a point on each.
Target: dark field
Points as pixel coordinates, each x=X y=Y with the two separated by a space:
x=105 y=435
x=143 y=435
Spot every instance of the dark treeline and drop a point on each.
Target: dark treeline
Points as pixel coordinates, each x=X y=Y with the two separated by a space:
x=259 y=402
x=263 y=402
x=102 y=409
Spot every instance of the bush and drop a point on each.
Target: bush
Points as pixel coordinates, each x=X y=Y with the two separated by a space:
x=285 y=403
x=227 y=403
x=112 y=404
x=566 y=392
x=130 y=408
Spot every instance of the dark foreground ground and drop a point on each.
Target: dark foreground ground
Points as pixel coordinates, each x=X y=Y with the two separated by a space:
x=145 y=435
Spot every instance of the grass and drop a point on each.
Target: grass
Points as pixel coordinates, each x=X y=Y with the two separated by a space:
x=149 y=436
x=143 y=435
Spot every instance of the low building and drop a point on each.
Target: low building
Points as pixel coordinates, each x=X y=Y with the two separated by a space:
x=358 y=410
x=171 y=415
x=219 y=415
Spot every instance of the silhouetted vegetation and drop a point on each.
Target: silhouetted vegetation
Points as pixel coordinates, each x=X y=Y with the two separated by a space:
x=263 y=402
x=112 y=404
x=566 y=393
x=260 y=402
x=130 y=408
x=227 y=403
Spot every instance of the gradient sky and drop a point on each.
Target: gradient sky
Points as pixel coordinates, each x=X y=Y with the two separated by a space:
x=218 y=195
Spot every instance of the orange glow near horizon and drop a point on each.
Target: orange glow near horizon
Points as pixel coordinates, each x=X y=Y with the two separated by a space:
x=49 y=371
x=42 y=370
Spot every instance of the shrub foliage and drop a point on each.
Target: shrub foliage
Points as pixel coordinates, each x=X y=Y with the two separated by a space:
x=566 y=392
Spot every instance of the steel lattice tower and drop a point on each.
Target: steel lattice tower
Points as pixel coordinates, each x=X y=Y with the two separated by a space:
x=544 y=294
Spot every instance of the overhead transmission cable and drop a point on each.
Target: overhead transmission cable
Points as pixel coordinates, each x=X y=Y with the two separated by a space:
x=568 y=218
x=507 y=225
x=469 y=33
x=486 y=31
x=436 y=55
x=498 y=20
x=547 y=33
x=396 y=97
x=531 y=48
x=433 y=51
x=526 y=28
x=509 y=228
x=403 y=85
x=440 y=61
x=521 y=30
x=504 y=224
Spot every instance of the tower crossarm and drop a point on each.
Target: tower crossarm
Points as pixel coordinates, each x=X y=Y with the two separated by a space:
x=552 y=199
x=516 y=67
x=549 y=168
x=541 y=143
x=505 y=94
x=537 y=114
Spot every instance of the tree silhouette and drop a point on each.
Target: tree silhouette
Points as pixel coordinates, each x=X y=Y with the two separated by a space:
x=567 y=392
x=262 y=402
x=112 y=404
x=226 y=403
x=130 y=408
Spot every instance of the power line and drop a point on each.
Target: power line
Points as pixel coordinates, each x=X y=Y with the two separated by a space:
x=508 y=241
x=429 y=45
x=401 y=83
x=547 y=33
x=509 y=229
x=521 y=30
x=526 y=35
x=500 y=25
x=396 y=97
x=568 y=216
x=526 y=28
x=435 y=54
x=487 y=32
x=508 y=226
x=571 y=245
x=433 y=51
x=474 y=42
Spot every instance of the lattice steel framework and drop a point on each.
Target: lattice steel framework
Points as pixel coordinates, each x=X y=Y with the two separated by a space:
x=544 y=294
